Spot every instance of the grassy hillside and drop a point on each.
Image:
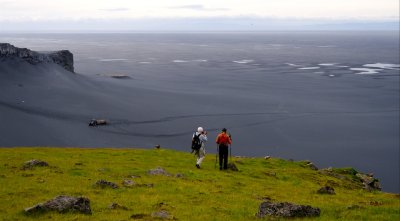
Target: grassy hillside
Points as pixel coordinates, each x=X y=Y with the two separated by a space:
x=205 y=194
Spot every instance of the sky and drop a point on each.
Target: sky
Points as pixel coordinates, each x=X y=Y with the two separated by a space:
x=192 y=15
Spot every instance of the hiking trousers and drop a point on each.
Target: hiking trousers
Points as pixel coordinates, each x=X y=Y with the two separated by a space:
x=200 y=154
x=223 y=156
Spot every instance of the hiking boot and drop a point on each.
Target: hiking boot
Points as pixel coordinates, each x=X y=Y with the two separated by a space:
x=198 y=166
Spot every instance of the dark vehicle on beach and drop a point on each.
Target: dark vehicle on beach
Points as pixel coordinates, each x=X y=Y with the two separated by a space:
x=97 y=122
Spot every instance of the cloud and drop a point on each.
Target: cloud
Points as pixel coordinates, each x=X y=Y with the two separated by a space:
x=115 y=9
x=198 y=8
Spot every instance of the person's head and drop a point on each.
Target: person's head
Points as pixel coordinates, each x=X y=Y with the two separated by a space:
x=224 y=130
x=200 y=130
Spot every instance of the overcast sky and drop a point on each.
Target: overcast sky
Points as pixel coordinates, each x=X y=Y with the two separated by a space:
x=182 y=14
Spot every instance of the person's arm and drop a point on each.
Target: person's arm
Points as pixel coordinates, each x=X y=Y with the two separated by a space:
x=204 y=138
x=217 y=139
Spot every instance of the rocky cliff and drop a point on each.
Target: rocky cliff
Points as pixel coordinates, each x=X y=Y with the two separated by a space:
x=63 y=58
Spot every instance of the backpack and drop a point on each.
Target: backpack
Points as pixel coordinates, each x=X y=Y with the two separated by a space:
x=196 y=143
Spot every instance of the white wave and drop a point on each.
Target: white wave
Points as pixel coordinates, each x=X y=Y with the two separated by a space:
x=327 y=64
x=200 y=60
x=383 y=66
x=342 y=66
x=294 y=65
x=144 y=62
x=331 y=75
x=366 y=70
x=113 y=59
x=179 y=61
x=309 y=68
x=243 y=61
x=326 y=46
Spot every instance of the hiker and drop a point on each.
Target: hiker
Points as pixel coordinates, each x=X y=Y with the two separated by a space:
x=198 y=142
x=223 y=141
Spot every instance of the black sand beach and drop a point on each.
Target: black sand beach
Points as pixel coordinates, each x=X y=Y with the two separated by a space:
x=316 y=107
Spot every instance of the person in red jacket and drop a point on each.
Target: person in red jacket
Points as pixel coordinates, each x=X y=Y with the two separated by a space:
x=223 y=141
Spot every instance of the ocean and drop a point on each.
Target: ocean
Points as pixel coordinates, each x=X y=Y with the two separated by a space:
x=328 y=97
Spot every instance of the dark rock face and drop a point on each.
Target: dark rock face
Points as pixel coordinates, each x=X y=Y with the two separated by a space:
x=63 y=58
x=34 y=163
x=63 y=204
x=104 y=183
x=326 y=190
x=286 y=210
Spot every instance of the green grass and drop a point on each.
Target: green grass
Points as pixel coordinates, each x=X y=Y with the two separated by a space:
x=206 y=194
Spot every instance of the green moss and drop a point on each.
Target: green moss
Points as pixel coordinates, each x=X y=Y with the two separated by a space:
x=346 y=170
x=206 y=194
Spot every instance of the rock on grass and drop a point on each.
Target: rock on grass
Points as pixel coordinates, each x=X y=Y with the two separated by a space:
x=62 y=204
x=34 y=163
x=162 y=214
x=286 y=209
x=326 y=190
x=369 y=182
x=116 y=206
x=158 y=171
x=105 y=183
x=233 y=167
x=128 y=183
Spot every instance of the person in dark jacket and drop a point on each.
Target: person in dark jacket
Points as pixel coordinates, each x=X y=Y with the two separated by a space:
x=223 y=141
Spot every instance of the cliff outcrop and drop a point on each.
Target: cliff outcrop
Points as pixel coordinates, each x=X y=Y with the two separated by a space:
x=63 y=58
